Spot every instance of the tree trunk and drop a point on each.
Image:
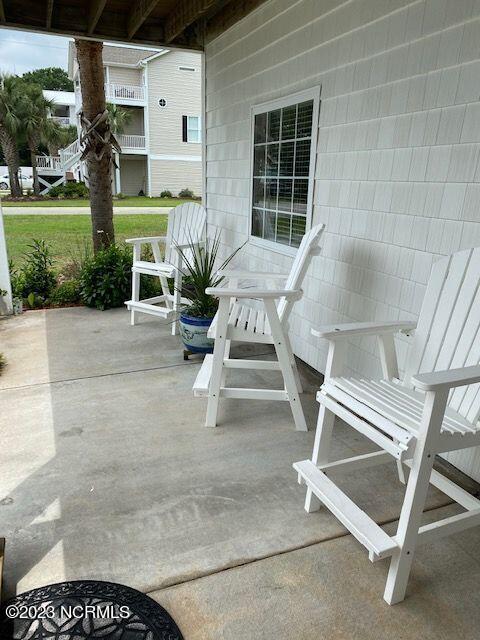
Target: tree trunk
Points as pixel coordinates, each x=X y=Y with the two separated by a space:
x=89 y=56
x=10 y=152
x=33 y=159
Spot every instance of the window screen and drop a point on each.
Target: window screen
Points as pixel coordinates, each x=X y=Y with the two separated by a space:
x=281 y=173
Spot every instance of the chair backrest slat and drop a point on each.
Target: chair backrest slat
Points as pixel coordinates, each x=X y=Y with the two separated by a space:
x=448 y=332
x=299 y=267
x=186 y=222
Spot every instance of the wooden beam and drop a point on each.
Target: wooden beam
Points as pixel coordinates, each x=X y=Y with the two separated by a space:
x=140 y=12
x=2 y=12
x=186 y=13
x=232 y=13
x=96 y=10
x=48 y=21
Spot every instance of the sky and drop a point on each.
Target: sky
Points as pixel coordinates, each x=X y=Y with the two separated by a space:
x=21 y=51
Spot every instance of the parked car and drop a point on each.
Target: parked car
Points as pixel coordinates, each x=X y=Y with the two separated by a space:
x=26 y=180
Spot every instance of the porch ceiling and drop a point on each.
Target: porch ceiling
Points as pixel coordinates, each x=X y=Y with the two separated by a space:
x=182 y=23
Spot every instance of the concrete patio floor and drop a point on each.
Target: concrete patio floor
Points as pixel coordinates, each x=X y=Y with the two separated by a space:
x=108 y=473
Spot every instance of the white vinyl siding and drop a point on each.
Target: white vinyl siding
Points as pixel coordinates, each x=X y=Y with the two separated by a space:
x=397 y=179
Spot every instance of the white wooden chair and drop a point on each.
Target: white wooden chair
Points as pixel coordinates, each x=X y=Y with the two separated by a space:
x=433 y=410
x=186 y=224
x=241 y=318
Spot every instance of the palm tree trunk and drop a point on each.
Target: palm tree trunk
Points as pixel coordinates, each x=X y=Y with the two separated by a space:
x=89 y=56
x=33 y=158
x=12 y=158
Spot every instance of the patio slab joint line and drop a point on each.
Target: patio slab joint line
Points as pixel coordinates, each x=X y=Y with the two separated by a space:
x=238 y=565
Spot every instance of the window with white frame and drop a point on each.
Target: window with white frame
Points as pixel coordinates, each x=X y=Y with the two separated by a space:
x=282 y=173
x=191 y=129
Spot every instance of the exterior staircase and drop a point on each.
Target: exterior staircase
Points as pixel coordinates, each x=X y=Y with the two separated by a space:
x=52 y=170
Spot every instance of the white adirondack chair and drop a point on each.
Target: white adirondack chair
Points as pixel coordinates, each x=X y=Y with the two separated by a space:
x=433 y=410
x=186 y=224
x=239 y=319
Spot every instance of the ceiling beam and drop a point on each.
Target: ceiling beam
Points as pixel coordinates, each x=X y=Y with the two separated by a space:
x=232 y=13
x=48 y=19
x=96 y=10
x=186 y=13
x=140 y=12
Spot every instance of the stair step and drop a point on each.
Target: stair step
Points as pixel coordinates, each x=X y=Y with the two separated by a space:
x=202 y=382
x=360 y=525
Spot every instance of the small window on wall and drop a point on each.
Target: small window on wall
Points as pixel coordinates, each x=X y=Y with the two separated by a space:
x=191 y=129
x=284 y=146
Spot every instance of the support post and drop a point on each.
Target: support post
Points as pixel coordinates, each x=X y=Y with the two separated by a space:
x=6 y=304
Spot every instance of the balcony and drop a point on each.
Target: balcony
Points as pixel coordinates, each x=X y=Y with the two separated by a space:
x=63 y=121
x=125 y=93
x=49 y=165
x=131 y=143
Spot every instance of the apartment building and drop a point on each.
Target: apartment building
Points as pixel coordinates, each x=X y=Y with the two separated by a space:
x=161 y=141
x=161 y=144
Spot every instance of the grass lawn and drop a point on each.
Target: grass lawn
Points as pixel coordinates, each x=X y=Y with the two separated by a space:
x=134 y=201
x=66 y=235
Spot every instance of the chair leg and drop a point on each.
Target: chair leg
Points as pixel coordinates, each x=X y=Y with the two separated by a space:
x=415 y=496
x=325 y=421
x=294 y=363
x=286 y=368
x=135 y=294
x=321 y=451
x=176 y=299
x=217 y=367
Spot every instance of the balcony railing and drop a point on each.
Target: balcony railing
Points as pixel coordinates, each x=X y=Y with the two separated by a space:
x=131 y=141
x=63 y=121
x=48 y=163
x=129 y=92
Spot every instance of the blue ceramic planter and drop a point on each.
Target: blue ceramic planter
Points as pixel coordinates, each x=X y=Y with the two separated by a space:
x=194 y=333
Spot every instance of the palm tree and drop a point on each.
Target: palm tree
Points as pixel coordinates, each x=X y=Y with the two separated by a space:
x=37 y=124
x=118 y=117
x=10 y=126
x=98 y=150
x=60 y=138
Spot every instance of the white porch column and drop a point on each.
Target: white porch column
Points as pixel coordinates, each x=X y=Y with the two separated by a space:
x=118 y=184
x=6 y=306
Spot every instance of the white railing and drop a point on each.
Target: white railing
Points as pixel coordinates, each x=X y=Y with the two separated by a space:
x=69 y=152
x=130 y=92
x=131 y=141
x=50 y=163
x=63 y=121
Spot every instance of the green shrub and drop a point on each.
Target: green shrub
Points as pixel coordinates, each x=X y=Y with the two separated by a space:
x=3 y=363
x=16 y=280
x=186 y=193
x=36 y=275
x=105 y=278
x=166 y=194
x=69 y=190
x=66 y=293
x=120 y=196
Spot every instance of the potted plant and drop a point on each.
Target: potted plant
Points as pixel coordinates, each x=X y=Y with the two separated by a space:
x=199 y=273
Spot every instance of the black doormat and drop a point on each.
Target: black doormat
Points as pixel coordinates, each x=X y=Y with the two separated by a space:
x=85 y=609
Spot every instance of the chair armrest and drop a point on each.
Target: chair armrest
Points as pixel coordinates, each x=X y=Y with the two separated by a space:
x=219 y=292
x=251 y=275
x=146 y=240
x=449 y=378
x=182 y=247
x=348 y=330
